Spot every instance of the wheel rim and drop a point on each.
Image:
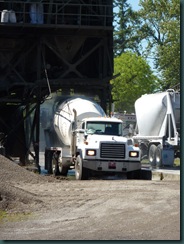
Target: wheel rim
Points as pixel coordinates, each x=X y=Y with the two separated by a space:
x=53 y=167
x=60 y=168
x=77 y=168
x=158 y=156
x=152 y=155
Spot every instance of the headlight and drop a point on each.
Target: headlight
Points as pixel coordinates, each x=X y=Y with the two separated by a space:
x=133 y=154
x=90 y=152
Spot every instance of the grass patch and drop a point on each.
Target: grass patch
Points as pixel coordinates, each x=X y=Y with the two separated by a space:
x=3 y=215
x=13 y=217
x=177 y=162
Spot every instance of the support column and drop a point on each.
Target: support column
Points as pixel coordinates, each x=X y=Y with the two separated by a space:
x=37 y=139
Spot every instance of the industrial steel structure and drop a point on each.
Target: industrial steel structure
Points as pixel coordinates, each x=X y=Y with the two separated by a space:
x=45 y=47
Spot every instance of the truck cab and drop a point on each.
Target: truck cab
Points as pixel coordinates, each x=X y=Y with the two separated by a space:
x=101 y=148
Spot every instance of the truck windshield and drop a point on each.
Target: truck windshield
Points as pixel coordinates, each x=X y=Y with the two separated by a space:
x=104 y=128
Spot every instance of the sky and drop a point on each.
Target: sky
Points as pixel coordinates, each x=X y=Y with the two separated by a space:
x=134 y=4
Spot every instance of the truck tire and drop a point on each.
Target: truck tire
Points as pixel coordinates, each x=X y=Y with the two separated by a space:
x=55 y=167
x=152 y=155
x=146 y=174
x=134 y=175
x=81 y=173
x=159 y=156
x=63 y=170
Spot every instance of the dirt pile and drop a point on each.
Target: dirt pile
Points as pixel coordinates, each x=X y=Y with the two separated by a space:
x=12 y=198
x=42 y=207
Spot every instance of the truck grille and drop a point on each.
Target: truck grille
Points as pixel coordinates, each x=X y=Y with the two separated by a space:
x=112 y=150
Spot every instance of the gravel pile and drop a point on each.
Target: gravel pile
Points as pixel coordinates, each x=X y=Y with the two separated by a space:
x=11 y=177
x=12 y=172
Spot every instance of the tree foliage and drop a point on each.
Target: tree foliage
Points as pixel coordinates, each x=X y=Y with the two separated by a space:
x=126 y=22
x=152 y=32
x=135 y=79
x=161 y=25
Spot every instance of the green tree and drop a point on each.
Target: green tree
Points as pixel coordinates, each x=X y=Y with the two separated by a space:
x=160 y=27
x=135 y=79
x=152 y=32
x=126 y=21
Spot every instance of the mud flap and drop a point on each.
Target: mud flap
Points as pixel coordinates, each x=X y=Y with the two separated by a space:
x=48 y=160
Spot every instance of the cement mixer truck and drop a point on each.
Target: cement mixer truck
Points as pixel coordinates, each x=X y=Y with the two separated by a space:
x=158 y=127
x=79 y=135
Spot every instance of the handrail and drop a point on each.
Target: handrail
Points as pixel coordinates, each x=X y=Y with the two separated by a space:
x=52 y=13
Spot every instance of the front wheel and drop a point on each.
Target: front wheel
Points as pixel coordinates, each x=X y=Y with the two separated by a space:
x=136 y=175
x=81 y=173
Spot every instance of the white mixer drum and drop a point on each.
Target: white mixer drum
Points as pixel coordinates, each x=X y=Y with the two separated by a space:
x=64 y=116
x=151 y=112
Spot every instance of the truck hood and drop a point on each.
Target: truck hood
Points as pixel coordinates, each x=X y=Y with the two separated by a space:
x=106 y=138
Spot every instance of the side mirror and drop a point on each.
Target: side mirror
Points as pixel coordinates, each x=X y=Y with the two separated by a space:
x=81 y=131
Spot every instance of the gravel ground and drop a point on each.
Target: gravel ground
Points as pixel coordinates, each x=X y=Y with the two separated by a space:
x=45 y=208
